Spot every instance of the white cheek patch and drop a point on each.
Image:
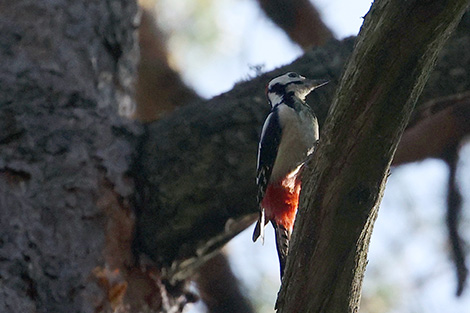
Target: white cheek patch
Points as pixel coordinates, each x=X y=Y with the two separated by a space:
x=274 y=98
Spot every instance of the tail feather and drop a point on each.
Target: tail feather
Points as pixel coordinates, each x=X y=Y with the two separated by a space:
x=259 y=228
x=282 y=244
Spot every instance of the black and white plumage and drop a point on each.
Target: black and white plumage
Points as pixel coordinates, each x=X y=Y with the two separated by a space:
x=289 y=135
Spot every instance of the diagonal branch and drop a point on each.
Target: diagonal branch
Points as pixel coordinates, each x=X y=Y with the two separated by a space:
x=159 y=89
x=393 y=57
x=220 y=289
x=438 y=125
x=299 y=19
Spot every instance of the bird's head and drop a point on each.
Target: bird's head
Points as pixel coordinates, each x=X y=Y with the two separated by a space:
x=291 y=84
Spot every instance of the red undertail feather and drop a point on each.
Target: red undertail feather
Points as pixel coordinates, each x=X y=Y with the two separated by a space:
x=280 y=204
x=281 y=201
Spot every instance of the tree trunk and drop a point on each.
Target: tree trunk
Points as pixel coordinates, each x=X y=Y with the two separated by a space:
x=64 y=150
x=345 y=179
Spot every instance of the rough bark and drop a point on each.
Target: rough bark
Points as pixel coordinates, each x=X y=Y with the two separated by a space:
x=344 y=181
x=200 y=161
x=64 y=151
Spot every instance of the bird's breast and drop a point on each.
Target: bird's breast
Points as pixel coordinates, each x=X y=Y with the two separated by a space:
x=299 y=134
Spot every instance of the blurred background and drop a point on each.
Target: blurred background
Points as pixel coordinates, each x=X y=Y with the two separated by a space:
x=213 y=44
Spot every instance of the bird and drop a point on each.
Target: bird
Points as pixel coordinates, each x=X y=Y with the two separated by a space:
x=288 y=137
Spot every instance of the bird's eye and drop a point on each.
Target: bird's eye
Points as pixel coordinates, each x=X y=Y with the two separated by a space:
x=293 y=75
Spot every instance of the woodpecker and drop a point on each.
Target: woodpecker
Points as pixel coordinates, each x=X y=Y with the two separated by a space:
x=289 y=135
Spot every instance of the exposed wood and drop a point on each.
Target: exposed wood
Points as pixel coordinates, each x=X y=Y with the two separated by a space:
x=345 y=179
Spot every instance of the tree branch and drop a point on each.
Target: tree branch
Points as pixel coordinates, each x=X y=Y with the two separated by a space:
x=394 y=54
x=435 y=127
x=299 y=19
x=159 y=89
x=454 y=207
x=219 y=288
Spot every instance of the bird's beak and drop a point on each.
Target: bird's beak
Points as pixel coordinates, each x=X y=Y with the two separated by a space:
x=309 y=85
x=313 y=84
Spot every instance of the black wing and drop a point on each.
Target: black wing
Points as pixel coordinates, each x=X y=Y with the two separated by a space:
x=267 y=151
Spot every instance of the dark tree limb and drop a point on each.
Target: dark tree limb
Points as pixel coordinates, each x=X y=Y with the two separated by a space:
x=220 y=289
x=437 y=126
x=437 y=130
x=454 y=208
x=299 y=19
x=345 y=180
x=159 y=89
